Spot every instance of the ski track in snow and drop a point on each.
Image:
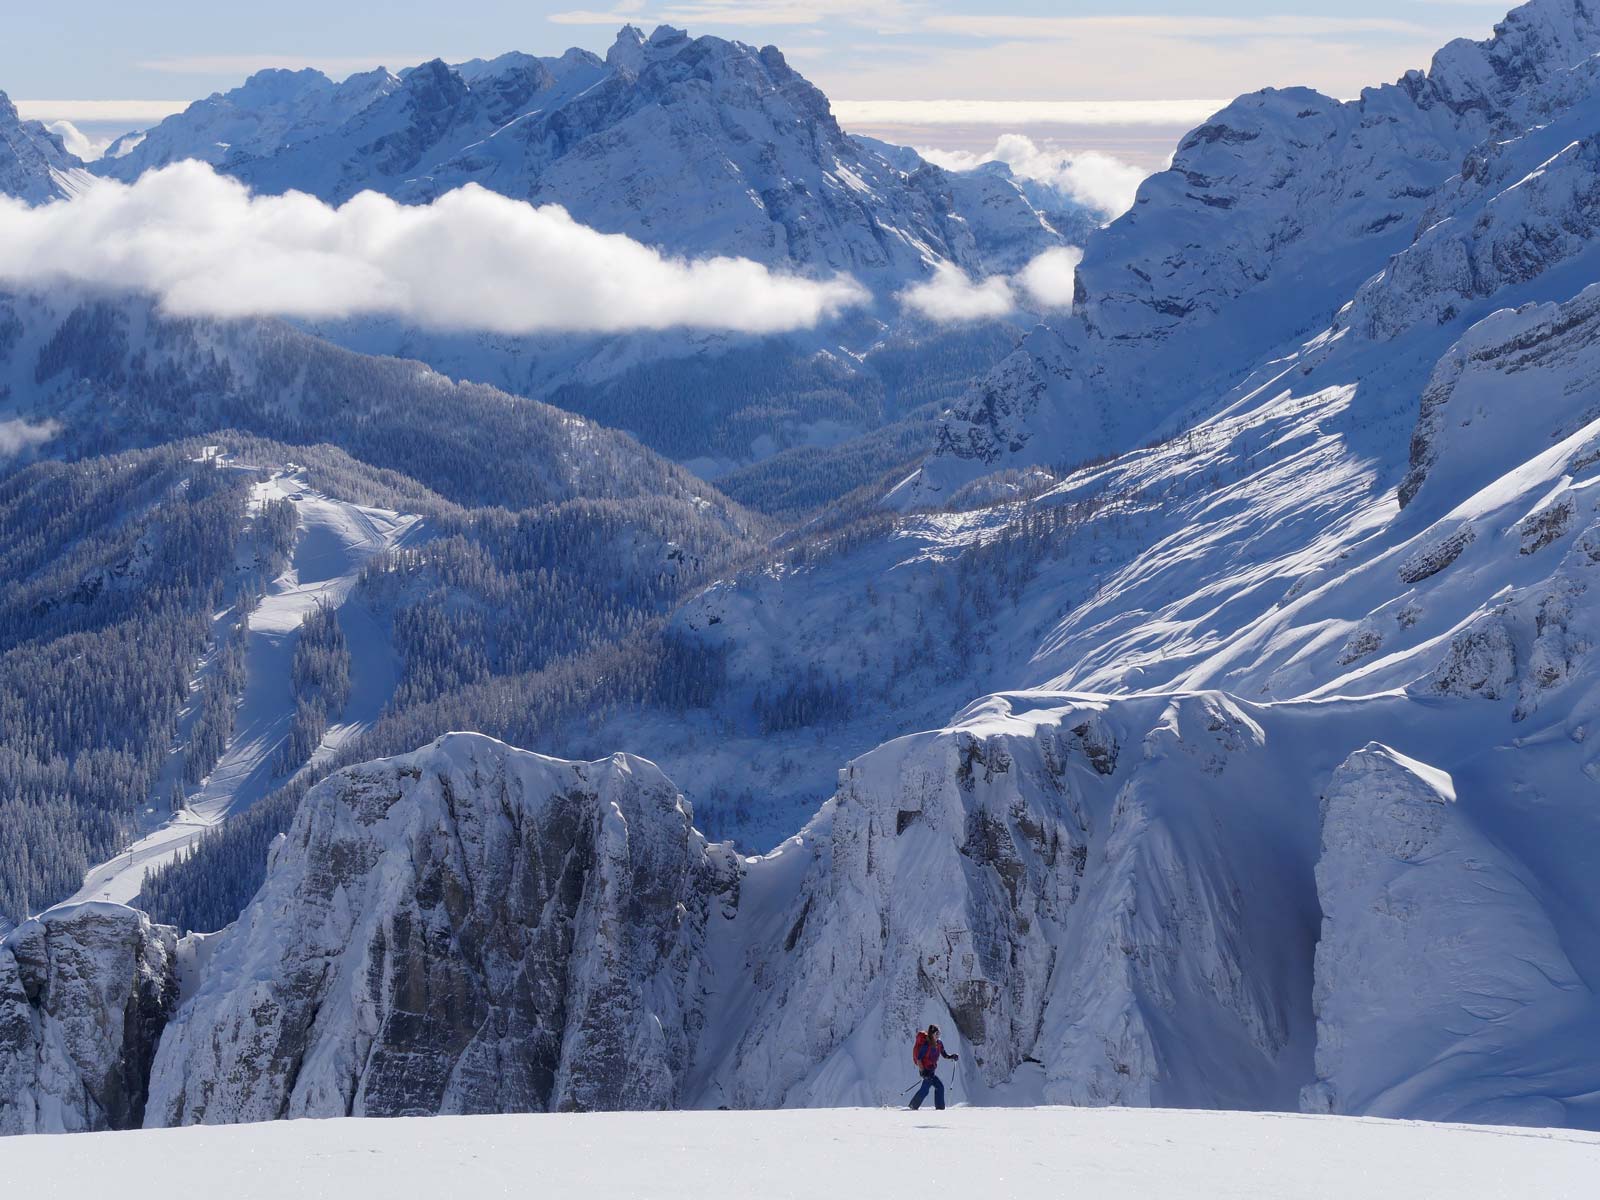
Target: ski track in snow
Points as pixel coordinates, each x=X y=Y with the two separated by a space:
x=334 y=540
x=1104 y=1153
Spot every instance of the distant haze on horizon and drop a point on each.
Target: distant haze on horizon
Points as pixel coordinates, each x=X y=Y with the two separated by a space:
x=109 y=67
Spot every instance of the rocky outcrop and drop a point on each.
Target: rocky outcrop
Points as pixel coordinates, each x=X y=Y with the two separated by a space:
x=1481 y=661
x=468 y=928
x=1434 y=556
x=85 y=992
x=949 y=865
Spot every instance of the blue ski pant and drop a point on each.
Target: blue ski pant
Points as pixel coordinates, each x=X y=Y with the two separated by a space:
x=937 y=1084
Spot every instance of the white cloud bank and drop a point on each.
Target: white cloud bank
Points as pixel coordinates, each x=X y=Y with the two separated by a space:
x=472 y=259
x=130 y=112
x=953 y=297
x=1099 y=181
x=1159 y=113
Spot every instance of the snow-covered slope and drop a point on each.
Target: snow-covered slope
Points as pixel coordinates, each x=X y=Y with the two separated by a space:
x=34 y=164
x=1442 y=981
x=99 y=372
x=854 y=1153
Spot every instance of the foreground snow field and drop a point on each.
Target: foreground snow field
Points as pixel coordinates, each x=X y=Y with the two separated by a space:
x=1100 y=1153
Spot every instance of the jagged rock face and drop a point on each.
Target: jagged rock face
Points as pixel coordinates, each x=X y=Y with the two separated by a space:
x=1512 y=236
x=698 y=145
x=34 y=164
x=947 y=866
x=1436 y=957
x=1536 y=42
x=85 y=992
x=469 y=928
x=1064 y=906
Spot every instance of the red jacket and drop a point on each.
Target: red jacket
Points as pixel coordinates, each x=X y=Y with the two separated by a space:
x=926 y=1054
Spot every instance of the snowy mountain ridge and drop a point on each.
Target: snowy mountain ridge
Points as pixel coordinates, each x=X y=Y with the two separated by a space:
x=1274 y=215
x=35 y=166
x=696 y=145
x=1107 y=902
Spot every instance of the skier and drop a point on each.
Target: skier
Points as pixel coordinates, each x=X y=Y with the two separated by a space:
x=926 y=1053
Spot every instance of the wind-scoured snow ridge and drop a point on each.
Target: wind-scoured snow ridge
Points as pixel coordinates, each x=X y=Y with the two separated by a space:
x=1156 y=900
x=1473 y=177
x=1031 y=880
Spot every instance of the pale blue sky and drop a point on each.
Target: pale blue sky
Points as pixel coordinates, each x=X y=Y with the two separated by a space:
x=854 y=49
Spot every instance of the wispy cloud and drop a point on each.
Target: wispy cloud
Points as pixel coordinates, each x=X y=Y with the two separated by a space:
x=77 y=142
x=1117 y=56
x=1051 y=279
x=1001 y=26
x=888 y=14
x=953 y=297
x=18 y=435
x=470 y=260
x=1099 y=181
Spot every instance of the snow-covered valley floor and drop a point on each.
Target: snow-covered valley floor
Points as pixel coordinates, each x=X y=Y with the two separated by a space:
x=839 y=1153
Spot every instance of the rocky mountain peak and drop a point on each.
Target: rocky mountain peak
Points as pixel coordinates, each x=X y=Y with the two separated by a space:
x=35 y=165
x=627 y=53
